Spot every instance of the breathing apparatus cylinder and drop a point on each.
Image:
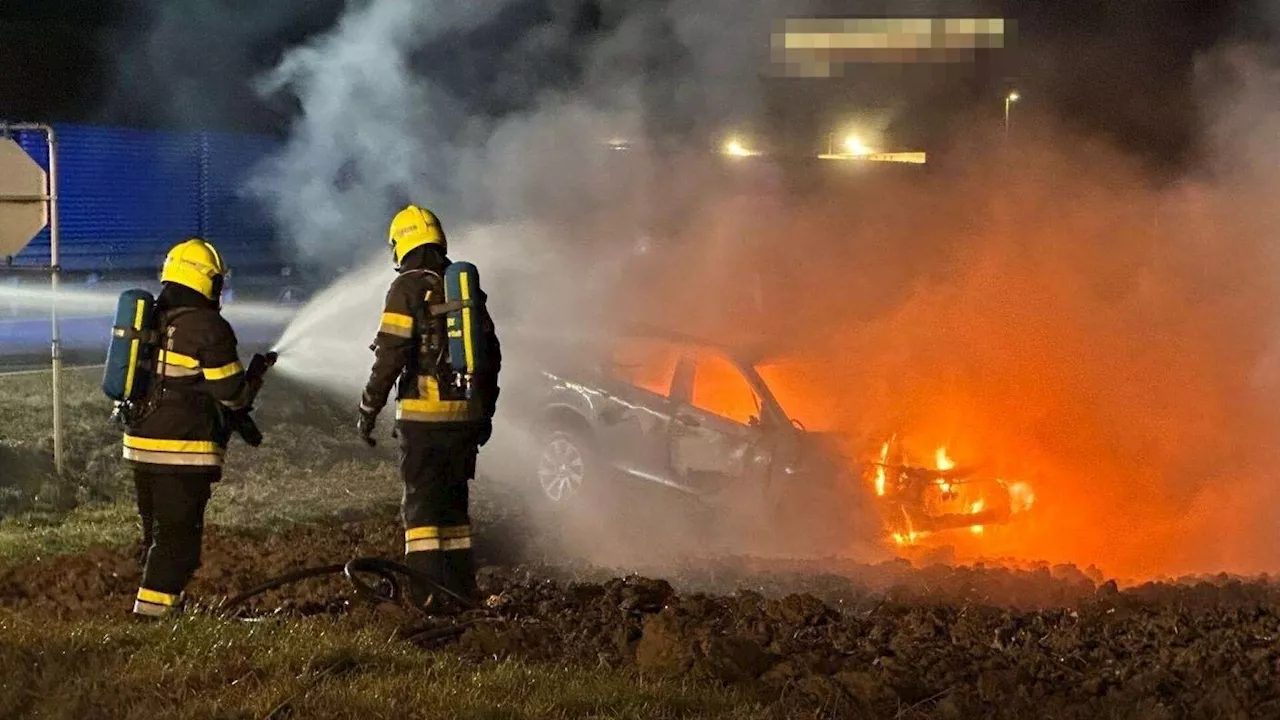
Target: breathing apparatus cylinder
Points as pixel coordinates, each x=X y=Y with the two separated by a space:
x=463 y=321
x=132 y=350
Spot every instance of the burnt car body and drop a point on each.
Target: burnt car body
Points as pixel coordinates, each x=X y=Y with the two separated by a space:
x=690 y=415
x=699 y=418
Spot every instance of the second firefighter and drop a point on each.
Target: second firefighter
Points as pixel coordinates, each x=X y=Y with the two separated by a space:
x=442 y=417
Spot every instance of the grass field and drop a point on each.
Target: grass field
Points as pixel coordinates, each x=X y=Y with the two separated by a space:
x=312 y=469
x=201 y=667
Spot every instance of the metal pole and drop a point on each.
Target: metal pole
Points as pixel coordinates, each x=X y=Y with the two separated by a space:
x=1006 y=114
x=55 y=280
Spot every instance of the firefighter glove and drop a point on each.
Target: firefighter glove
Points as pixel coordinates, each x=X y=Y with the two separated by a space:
x=365 y=425
x=486 y=431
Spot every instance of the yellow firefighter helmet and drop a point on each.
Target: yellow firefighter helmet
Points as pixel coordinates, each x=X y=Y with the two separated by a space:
x=197 y=265
x=412 y=228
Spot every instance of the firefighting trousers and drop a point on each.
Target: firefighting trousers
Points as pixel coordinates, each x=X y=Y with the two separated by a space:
x=437 y=464
x=171 y=507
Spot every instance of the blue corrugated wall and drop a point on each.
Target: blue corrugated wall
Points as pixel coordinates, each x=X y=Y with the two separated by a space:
x=126 y=196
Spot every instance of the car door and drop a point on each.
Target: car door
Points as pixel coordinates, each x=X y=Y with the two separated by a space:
x=716 y=426
x=635 y=414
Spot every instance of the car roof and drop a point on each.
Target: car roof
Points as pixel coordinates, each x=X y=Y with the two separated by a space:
x=748 y=350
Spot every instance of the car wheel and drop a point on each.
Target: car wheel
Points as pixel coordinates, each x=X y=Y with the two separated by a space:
x=563 y=464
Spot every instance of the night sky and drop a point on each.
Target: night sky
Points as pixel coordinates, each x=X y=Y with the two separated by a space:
x=1121 y=69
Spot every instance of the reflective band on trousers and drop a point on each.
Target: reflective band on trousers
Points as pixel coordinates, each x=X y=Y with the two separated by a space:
x=154 y=451
x=429 y=538
x=155 y=604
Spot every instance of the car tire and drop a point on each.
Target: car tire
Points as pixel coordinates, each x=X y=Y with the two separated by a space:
x=566 y=463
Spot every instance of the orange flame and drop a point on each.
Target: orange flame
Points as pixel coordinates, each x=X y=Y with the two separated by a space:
x=1021 y=497
x=974 y=509
x=880 y=477
x=943 y=461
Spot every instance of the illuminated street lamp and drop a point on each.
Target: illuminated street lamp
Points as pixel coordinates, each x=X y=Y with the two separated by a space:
x=735 y=148
x=854 y=146
x=851 y=147
x=1009 y=100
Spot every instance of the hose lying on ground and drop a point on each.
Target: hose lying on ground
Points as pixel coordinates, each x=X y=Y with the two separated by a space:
x=385 y=570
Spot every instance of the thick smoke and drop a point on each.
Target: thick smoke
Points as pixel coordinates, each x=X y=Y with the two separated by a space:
x=1046 y=310
x=556 y=221
x=1039 y=304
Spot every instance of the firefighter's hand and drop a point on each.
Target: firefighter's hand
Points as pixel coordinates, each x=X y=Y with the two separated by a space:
x=260 y=364
x=486 y=431
x=365 y=425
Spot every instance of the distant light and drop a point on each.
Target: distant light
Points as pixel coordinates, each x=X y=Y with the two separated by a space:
x=1014 y=96
x=914 y=158
x=735 y=148
x=619 y=144
x=854 y=146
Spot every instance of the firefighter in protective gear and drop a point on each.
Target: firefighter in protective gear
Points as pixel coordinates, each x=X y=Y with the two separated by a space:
x=198 y=396
x=440 y=428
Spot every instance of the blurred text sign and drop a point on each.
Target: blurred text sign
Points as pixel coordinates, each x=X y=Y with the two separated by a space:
x=24 y=200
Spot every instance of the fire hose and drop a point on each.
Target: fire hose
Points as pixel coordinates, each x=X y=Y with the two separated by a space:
x=385 y=570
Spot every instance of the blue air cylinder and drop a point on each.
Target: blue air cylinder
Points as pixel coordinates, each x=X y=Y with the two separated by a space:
x=465 y=329
x=132 y=348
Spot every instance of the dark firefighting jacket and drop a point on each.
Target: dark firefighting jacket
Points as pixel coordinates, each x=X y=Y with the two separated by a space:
x=411 y=352
x=197 y=382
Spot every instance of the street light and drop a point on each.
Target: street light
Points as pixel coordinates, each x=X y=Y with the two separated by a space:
x=1009 y=100
x=851 y=146
x=854 y=146
x=735 y=148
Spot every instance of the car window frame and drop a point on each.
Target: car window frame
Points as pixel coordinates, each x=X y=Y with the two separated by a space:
x=612 y=366
x=767 y=414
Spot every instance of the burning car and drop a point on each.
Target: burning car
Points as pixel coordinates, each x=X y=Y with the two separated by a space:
x=700 y=418
x=919 y=499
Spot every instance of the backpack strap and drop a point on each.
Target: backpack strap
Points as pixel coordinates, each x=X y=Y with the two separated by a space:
x=451 y=306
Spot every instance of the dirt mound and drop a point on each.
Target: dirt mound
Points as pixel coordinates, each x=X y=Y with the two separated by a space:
x=104 y=580
x=1197 y=651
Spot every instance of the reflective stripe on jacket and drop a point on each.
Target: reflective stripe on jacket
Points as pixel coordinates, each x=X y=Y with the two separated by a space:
x=410 y=351
x=199 y=380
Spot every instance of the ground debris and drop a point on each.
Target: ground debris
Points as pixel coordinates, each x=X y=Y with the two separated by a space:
x=877 y=641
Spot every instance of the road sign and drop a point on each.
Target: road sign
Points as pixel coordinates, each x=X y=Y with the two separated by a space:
x=24 y=203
